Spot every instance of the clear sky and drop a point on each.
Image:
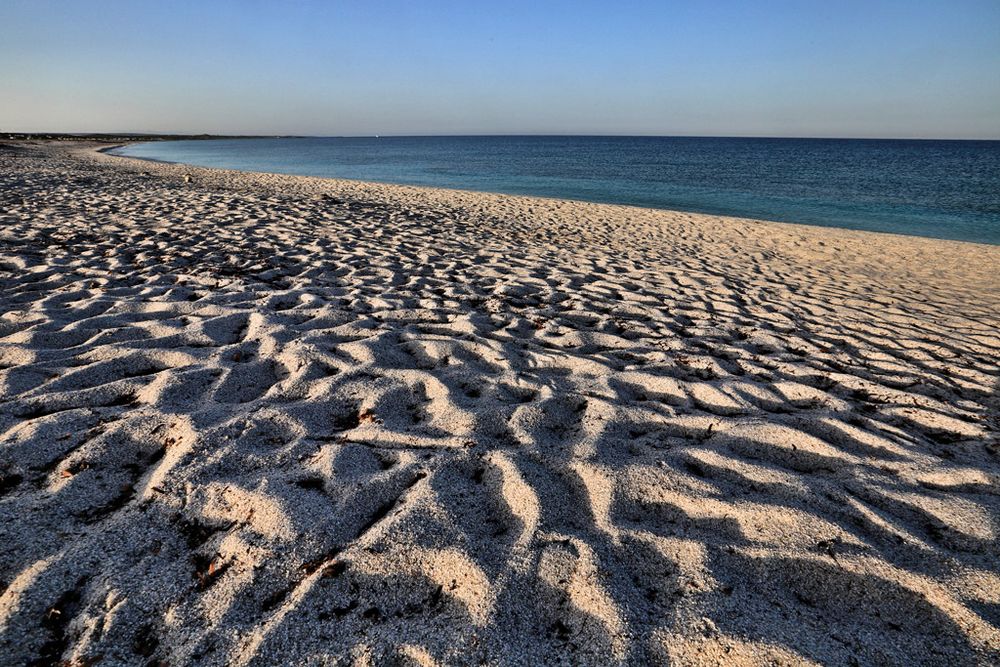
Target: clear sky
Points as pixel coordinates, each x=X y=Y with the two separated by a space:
x=853 y=68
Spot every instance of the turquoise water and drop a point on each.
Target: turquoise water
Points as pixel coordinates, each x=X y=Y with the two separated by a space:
x=940 y=189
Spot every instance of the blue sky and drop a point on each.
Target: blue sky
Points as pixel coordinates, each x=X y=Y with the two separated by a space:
x=915 y=68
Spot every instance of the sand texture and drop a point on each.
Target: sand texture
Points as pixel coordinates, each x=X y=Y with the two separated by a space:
x=249 y=419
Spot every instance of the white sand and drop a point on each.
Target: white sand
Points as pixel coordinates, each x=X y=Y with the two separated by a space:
x=258 y=419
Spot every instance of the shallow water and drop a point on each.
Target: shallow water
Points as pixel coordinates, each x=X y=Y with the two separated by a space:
x=940 y=189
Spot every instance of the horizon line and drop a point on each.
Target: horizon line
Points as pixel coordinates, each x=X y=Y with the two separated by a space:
x=482 y=135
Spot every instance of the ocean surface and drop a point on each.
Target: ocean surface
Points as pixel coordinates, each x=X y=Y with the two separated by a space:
x=941 y=189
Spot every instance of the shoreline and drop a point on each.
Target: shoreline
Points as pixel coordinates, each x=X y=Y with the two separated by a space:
x=856 y=221
x=360 y=182
x=258 y=419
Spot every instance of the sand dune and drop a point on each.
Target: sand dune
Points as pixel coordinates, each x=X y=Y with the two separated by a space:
x=252 y=419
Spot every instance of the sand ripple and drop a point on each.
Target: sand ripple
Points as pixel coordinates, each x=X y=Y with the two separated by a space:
x=259 y=420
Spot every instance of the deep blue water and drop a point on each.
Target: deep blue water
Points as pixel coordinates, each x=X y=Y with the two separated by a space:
x=941 y=189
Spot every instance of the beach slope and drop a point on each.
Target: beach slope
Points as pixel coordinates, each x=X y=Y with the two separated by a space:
x=250 y=419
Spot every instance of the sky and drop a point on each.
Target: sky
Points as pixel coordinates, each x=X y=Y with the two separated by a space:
x=810 y=68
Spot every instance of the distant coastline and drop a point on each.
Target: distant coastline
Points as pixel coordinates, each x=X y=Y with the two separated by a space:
x=125 y=137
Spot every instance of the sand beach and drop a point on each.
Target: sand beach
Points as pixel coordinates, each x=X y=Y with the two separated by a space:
x=253 y=419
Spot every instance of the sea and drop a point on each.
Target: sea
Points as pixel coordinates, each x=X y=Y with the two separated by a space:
x=939 y=189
